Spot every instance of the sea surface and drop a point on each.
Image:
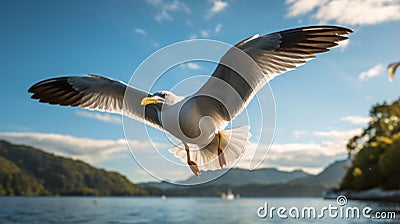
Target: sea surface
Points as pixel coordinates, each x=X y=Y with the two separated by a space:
x=183 y=210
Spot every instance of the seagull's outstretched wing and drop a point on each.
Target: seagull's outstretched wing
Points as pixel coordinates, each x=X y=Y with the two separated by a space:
x=392 y=69
x=275 y=54
x=94 y=92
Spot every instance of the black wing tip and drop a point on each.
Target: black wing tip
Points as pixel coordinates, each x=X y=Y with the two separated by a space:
x=46 y=81
x=331 y=27
x=342 y=30
x=45 y=91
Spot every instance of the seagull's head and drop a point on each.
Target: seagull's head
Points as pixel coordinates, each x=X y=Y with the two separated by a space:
x=160 y=98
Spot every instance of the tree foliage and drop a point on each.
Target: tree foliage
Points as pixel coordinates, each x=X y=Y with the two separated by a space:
x=376 y=151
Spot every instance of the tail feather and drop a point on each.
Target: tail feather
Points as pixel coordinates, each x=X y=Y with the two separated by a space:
x=234 y=142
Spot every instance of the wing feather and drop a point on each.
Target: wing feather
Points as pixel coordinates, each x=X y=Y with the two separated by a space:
x=99 y=93
x=274 y=54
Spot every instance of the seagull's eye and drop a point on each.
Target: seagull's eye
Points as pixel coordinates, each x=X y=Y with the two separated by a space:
x=164 y=95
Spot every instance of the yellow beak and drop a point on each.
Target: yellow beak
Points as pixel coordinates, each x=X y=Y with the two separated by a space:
x=150 y=100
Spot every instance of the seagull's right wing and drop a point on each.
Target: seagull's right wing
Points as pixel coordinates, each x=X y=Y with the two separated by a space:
x=269 y=56
x=94 y=92
x=392 y=69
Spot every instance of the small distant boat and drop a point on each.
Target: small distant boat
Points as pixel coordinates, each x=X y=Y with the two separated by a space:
x=163 y=197
x=228 y=196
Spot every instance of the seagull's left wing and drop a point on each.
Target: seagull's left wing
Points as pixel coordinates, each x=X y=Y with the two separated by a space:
x=274 y=54
x=94 y=92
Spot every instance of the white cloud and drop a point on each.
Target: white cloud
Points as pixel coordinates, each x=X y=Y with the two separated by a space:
x=217 y=28
x=193 y=36
x=372 y=72
x=154 y=2
x=347 y=12
x=343 y=44
x=310 y=157
x=218 y=6
x=193 y=66
x=166 y=8
x=300 y=7
x=190 y=65
x=86 y=149
x=101 y=117
x=338 y=135
x=299 y=133
x=205 y=33
x=154 y=43
x=140 y=31
x=356 y=119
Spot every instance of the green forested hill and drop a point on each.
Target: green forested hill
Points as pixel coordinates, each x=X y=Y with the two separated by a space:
x=28 y=171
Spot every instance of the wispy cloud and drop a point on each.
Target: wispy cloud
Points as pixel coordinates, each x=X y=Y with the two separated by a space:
x=90 y=150
x=299 y=133
x=217 y=6
x=193 y=66
x=205 y=33
x=167 y=8
x=99 y=116
x=356 y=119
x=140 y=31
x=347 y=12
x=154 y=2
x=217 y=28
x=300 y=7
x=343 y=44
x=310 y=157
x=372 y=72
x=86 y=149
x=192 y=36
x=190 y=65
x=338 y=134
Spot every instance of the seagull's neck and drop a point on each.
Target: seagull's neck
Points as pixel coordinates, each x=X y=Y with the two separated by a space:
x=176 y=99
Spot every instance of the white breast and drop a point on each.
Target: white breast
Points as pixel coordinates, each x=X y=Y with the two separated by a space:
x=183 y=125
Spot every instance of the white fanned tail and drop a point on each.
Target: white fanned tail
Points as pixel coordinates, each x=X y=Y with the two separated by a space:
x=234 y=142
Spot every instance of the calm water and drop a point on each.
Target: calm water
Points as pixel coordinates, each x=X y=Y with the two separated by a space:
x=171 y=210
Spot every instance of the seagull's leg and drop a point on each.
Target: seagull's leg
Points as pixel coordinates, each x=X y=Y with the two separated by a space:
x=221 y=156
x=193 y=166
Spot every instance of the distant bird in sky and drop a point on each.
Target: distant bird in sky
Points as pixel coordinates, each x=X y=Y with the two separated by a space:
x=182 y=116
x=392 y=69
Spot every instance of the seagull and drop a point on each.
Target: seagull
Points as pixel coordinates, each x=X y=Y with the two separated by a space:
x=392 y=69
x=199 y=120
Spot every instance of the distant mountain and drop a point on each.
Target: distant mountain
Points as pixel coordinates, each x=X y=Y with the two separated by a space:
x=330 y=176
x=267 y=182
x=238 y=176
x=241 y=176
x=28 y=171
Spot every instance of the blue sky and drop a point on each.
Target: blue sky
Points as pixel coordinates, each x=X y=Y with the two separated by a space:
x=318 y=106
